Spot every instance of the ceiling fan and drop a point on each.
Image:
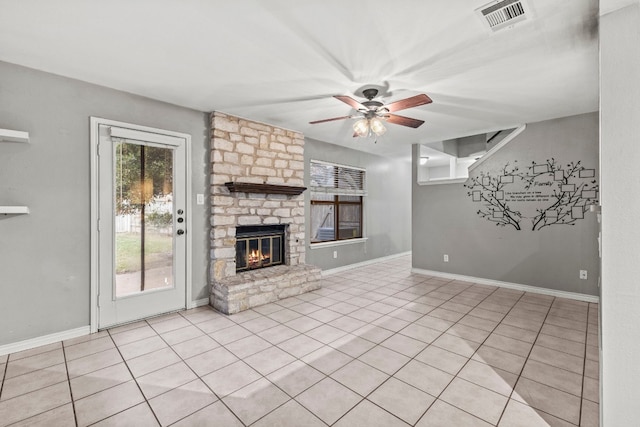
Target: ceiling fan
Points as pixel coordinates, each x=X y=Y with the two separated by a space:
x=371 y=113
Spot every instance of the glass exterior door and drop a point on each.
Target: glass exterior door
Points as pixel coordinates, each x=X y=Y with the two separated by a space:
x=143 y=187
x=142 y=256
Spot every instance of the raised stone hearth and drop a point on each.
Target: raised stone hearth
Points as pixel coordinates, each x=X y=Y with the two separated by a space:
x=253 y=288
x=255 y=170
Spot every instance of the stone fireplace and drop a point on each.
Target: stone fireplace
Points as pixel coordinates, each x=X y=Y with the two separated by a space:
x=257 y=182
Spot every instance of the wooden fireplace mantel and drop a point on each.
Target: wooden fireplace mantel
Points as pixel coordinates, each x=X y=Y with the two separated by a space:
x=250 y=187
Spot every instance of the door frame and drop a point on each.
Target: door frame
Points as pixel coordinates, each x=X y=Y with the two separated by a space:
x=95 y=123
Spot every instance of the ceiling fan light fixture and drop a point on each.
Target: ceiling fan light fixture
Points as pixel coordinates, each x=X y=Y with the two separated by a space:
x=377 y=127
x=361 y=127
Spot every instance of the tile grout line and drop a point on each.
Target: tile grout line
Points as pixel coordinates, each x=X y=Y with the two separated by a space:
x=547 y=385
x=584 y=367
x=325 y=375
x=259 y=373
x=4 y=374
x=219 y=399
x=196 y=374
x=362 y=398
x=414 y=357
x=32 y=391
x=453 y=296
x=506 y=351
x=67 y=380
x=454 y=376
x=513 y=389
x=66 y=368
x=468 y=359
x=133 y=377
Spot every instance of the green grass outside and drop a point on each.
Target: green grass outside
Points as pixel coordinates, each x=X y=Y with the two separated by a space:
x=158 y=251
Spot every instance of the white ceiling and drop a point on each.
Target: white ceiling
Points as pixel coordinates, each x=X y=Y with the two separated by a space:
x=280 y=61
x=608 y=6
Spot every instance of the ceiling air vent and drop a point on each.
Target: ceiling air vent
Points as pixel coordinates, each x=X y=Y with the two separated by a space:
x=502 y=14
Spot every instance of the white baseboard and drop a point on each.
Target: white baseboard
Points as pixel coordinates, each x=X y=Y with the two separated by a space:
x=44 y=340
x=363 y=263
x=199 y=302
x=509 y=285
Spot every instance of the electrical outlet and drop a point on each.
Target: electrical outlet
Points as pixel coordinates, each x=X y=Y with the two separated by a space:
x=583 y=274
x=199 y=199
x=335 y=254
x=446 y=258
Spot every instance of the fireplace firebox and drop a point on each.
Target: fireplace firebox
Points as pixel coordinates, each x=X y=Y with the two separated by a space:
x=259 y=246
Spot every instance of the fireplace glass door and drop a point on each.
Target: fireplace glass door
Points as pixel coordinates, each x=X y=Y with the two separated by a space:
x=259 y=247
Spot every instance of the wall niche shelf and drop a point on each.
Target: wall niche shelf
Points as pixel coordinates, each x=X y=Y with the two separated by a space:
x=14 y=210
x=7 y=135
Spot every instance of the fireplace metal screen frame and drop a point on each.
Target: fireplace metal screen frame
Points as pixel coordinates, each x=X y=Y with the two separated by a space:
x=260 y=237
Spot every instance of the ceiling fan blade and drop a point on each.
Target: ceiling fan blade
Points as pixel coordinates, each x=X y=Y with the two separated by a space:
x=404 y=121
x=413 y=101
x=351 y=102
x=330 y=120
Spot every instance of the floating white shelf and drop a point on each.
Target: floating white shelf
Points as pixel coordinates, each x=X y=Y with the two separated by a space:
x=7 y=135
x=14 y=210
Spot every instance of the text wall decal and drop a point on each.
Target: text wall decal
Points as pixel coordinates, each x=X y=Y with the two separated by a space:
x=540 y=195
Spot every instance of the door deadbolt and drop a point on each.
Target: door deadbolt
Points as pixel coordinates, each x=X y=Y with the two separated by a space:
x=180 y=232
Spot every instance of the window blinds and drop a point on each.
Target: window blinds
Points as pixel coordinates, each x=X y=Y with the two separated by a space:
x=337 y=179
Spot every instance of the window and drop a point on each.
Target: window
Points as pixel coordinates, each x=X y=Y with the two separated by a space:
x=336 y=202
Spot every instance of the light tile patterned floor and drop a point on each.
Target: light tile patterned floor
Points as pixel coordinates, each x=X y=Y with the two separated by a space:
x=376 y=346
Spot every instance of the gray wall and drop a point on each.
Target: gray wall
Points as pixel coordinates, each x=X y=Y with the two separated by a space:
x=445 y=220
x=45 y=256
x=620 y=151
x=387 y=209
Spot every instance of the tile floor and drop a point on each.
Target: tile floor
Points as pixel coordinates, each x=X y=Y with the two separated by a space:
x=376 y=346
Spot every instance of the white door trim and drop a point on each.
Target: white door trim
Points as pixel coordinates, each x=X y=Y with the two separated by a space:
x=95 y=122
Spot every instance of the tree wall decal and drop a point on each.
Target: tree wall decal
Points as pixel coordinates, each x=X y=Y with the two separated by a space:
x=545 y=193
x=490 y=191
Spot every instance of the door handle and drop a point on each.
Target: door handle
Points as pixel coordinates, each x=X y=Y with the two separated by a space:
x=180 y=232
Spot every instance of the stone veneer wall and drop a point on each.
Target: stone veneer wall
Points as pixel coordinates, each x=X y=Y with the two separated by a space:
x=247 y=151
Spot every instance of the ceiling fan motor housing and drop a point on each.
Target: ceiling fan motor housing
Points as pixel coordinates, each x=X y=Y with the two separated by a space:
x=370 y=93
x=372 y=105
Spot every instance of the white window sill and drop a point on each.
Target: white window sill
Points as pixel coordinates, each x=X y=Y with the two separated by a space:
x=337 y=243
